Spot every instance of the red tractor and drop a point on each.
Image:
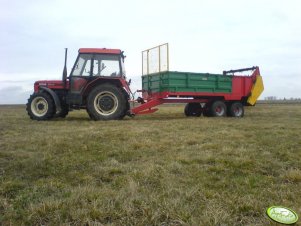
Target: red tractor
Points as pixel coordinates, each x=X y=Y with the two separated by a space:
x=96 y=83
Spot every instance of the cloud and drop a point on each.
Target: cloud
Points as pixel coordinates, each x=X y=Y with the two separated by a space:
x=13 y=95
x=16 y=88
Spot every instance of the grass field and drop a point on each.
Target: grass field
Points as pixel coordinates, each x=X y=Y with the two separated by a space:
x=160 y=169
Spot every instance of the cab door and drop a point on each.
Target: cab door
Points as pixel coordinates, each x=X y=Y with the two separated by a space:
x=80 y=75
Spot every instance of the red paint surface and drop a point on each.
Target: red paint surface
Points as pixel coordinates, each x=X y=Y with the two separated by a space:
x=98 y=50
x=78 y=83
x=51 y=84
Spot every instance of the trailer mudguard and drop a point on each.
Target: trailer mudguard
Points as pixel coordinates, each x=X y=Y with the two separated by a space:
x=56 y=99
x=256 y=90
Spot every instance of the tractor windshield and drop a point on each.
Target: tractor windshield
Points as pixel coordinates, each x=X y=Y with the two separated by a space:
x=103 y=65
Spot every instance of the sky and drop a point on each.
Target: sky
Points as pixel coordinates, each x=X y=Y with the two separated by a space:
x=203 y=36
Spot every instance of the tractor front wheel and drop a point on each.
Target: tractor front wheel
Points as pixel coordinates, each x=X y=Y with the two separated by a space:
x=106 y=102
x=40 y=106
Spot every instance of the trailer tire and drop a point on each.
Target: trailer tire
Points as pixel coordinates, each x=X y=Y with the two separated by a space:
x=218 y=109
x=193 y=110
x=40 y=106
x=106 y=102
x=207 y=113
x=236 y=109
x=206 y=110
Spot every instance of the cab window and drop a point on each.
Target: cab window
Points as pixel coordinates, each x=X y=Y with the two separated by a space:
x=106 y=65
x=83 y=65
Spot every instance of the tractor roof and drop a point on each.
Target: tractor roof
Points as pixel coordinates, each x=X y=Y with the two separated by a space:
x=99 y=50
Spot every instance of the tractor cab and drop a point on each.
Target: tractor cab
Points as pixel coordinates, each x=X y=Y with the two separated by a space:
x=94 y=66
x=98 y=62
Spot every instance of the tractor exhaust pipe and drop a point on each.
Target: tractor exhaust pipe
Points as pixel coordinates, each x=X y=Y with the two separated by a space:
x=65 y=69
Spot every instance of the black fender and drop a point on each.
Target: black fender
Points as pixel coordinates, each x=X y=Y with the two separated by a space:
x=55 y=98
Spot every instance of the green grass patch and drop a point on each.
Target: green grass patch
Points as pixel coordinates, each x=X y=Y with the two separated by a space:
x=159 y=169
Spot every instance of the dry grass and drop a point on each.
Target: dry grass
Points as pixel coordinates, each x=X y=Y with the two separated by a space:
x=160 y=169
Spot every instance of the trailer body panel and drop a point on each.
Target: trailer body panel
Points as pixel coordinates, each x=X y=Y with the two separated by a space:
x=173 y=81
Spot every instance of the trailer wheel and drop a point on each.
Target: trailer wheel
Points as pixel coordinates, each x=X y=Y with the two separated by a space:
x=207 y=113
x=236 y=109
x=218 y=109
x=193 y=109
x=106 y=102
x=40 y=106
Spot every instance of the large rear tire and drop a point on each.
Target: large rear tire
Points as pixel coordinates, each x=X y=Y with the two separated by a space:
x=236 y=109
x=40 y=106
x=126 y=110
x=106 y=102
x=193 y=110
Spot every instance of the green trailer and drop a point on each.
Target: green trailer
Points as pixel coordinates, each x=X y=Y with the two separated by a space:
x=174 y=81
x=204 y=93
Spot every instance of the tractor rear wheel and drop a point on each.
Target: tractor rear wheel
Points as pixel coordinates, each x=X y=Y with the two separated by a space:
x=125 y=111
x=193 y=109
x=40 y=106
x=106 y=102
x=218 y=109
x=236 y=109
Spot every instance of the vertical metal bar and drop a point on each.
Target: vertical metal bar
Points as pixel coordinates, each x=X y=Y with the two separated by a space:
x=167 y=57
x=142 y=63
x=159 y=59
x=147 y=62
